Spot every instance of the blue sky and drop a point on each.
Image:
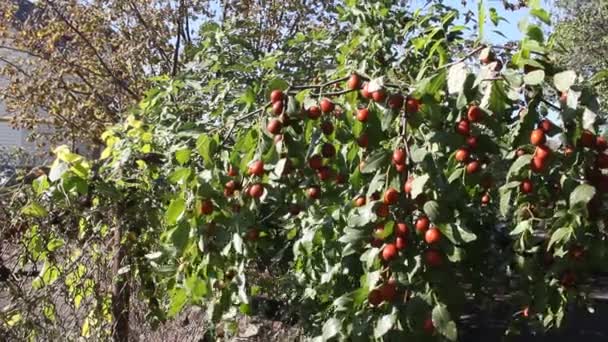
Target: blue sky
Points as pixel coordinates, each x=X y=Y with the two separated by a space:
x=508 y=28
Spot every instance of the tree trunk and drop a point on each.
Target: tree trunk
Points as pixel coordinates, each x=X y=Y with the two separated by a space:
x=120 y=288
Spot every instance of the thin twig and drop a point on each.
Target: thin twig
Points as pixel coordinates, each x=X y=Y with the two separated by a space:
x=334 y=93
x=550 y=104
x=467 y=56
x=120 y=82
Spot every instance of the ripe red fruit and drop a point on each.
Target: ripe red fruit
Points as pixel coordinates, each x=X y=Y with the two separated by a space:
x=256 y=190
x=389 y=252
x=256 y=168
x=354 y=82
x=474 y=114
x=395 y=101
x=587 y=139
x=252 y=234
x=526 y=186
x=399 y=156
x=379 y=95
x=365 y=92
x=568 y=279
x=391 y=196
x=412 y=105
x=376 y=242
x=315 y=162
x=276 y=95
x=543 y=152
x=463 y=128
x=602 y=161
x=433 y=258
x=294 y=209
x=328 y=150
x=327 y=106
x=537 y=137
x=374 y=297
x=526 y=312
x=388 y=292
x=324 y=173
x=360 y=201
x=568 y=151
x=314 y=112
x=274 y=126
x=277 y=107
x=462 y=155
x=428 y=325
x=472 y=141
x=232 y=171
x=485 y=199
x=400 y=243
x=563 y=97
x=601 y=144
x=473 y=167
x=327 y=127
x=576 y=252
x=401 y=229
x=382 y=210
x=340 y=178
x=545 y=125
x=422 y=224
x=206 y=207
x=363 y=140
x=408 y=185
x=362 y=114
x=313 y=192
x=537 y=164
x=400 y=168
x=432 y=236
x=231 y=185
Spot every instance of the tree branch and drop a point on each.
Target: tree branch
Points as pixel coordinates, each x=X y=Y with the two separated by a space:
x=119 y=81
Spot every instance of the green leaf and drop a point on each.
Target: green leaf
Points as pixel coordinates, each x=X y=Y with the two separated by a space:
x=384 y=324
x=180 y=175
x=179 y=236
x=34 y=209
x=534 y=77
x=494 y=17
x=582 y=194
x=521 y=227
x=457 y=174
x=50 y=272
x=443 y=323
x=331 y=328
x=518 y=164
x=183 y=155
x=541 y=14
x=562 y=234
x=564 y=80
x=457 y=75
x=505 y=201
x=431 y=209
x=388 y=115
x=375 y=161
x=206 y=146
x=196 y=287
x=176 y=211
x=418 y=185
x=40 y=184
x=352 y=236
x=178 y=297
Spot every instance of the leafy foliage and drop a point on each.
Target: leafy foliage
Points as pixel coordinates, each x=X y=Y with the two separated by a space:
x=459 y=181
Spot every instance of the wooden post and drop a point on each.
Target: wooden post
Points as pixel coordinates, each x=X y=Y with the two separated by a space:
x=120 y=286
